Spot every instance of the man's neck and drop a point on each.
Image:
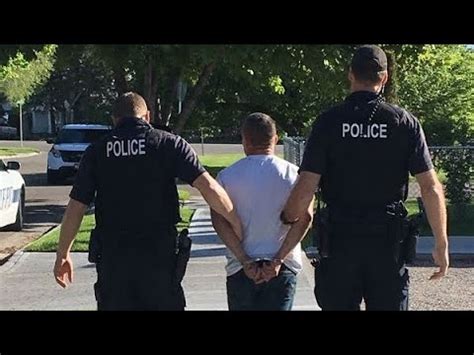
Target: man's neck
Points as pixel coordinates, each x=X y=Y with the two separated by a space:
x=120 y=120
x=266 y=151
x=362 y=87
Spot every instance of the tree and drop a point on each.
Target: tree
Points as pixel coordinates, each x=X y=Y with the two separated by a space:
x=80 y=87
x=20 y=77
x=156 y=70
x=293 y=83
x=438 y=87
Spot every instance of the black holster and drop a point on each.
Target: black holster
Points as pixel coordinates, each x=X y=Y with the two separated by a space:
x=410 y=240
x=321 y=230
x=95 y=246
x=183 y=252
x=406 y=231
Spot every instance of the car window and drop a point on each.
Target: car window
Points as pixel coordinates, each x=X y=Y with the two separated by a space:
x=80 y=135
x=2 y=165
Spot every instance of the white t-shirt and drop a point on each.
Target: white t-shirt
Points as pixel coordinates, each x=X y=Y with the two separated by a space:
x=259 y=186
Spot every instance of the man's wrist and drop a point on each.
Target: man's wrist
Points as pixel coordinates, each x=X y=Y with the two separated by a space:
x=62 y=254
x=278 y=261
x=280 y=256
x=441 y=242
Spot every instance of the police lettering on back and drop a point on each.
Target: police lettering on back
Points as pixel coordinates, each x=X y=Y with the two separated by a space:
x=360 y=130
x=125 y=148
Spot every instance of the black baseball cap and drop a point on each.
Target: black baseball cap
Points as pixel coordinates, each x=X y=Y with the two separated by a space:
x=369 y=59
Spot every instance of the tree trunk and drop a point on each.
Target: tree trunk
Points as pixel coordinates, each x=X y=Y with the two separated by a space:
x=190 y=102
x=151 y=90
x=72 y=105
x=391 y=88
x=52 y=118
x=170 y=97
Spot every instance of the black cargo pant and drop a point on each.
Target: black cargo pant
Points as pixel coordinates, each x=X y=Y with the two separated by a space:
x=138 y=274
x=361 y=266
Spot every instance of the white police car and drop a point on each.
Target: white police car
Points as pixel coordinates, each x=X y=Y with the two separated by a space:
x=12 y=196
x=66 y=153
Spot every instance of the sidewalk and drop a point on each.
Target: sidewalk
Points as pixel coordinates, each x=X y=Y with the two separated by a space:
x=458 y=245
x=27 y=281
x=205 y=280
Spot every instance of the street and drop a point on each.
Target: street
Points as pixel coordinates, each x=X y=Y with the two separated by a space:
x=44 y=204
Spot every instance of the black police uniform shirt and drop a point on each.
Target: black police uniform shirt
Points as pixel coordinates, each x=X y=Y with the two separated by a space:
x=362 y=163
x=132 y=174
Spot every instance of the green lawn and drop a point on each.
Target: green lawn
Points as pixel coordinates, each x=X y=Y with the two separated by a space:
x=460 y=220
x=183 y=195
x=49 y=242
x=10 y=151
x=216 y=162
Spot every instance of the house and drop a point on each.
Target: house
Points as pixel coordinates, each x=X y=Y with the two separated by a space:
x=45 y=121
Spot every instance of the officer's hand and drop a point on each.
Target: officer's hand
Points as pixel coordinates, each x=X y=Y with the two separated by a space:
x=63 y=270
x=441 y=258
x=270 y=270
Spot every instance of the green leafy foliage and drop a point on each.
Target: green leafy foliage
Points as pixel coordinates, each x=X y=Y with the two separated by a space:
x=20 y=77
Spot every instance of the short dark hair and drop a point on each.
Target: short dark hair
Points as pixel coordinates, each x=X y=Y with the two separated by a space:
x=259 y=128
x=369 y=64
x=129 y=104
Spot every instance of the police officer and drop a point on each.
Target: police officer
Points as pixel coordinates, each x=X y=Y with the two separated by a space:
x=360 y=154
x=131 y=175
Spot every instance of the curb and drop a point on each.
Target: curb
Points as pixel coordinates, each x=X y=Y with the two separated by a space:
x=6 y=258
x=458 y=245
x=24 y=155
x=13 y=259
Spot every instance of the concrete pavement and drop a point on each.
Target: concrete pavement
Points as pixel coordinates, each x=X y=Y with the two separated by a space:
x=205 y=280
x=27 y=282
x=44 y=204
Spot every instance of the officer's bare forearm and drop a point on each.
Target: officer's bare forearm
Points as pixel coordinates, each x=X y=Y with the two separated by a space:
x=301 y=196
x=228 y=236
x=296 y=233
x=69 y=226
x=215 y=196
x=432 y=195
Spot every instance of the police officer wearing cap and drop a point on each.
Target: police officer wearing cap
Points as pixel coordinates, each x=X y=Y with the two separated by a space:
x=359 y=154
x=131 y=174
